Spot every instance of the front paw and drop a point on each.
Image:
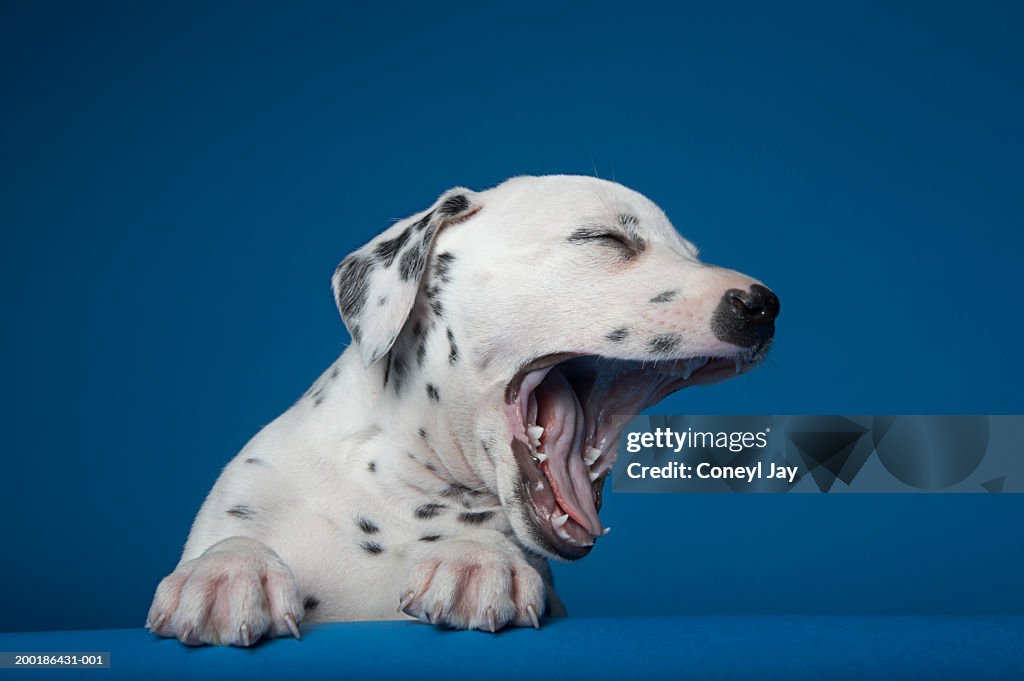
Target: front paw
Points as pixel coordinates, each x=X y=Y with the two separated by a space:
x=234 y=594
x=469 y=584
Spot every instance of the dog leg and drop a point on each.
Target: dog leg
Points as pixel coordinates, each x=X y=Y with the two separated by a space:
x=478 y=581
x=236 y=592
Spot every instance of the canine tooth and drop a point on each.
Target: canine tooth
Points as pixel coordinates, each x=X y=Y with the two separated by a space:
x=593 y=453
x=541 y=457
x=565 y=535
x=606 y=531
x=535 y=432
x=594 y=475
x=559 y=521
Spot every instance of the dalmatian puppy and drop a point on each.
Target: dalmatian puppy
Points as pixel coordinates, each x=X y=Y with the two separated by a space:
x=464 y=438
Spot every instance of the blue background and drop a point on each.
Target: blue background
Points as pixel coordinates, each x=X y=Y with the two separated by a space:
x=179 y=182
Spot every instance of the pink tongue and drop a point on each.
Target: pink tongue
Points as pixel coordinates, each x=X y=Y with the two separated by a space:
x=559 y=411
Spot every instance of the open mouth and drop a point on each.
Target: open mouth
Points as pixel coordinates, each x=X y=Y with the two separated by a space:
x=565 y=412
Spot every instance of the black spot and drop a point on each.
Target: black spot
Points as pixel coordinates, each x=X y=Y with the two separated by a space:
x=382 y=301
x=394 y=371
x=421 y=352
x=422 y=223
x=629 y=220
x=334 y=371
x=423 y=433
x=664 y=296
x=411 y=264
x=437 y=307
x=253 y=459
x=456 y=490
x=618 y=335
x=454 y=205
x=430 y=467
x=443 y=265
x=310 y=603
x=386 y=251
x=372 y=548
x=453 y=349
x=353 y=282
x=372 y=467
x=429 y=510
x=367 y=525
x=398 y=367
x=357 y=332
x=475 y=518
x=432 y=392
x=665 y=343
x=241 y=511
x=430 y=537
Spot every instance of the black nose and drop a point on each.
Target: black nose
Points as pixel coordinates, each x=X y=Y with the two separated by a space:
x=746 y=318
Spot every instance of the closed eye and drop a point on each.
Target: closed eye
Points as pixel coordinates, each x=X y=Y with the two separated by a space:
x=629 y=247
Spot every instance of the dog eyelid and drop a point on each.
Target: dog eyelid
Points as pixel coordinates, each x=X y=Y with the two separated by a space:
x=616 y=239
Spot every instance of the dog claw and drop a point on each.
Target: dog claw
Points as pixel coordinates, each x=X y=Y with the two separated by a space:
x=533 y=616
x=158 y=624
x=406 y=601
x=292 y=625
x=243 y=633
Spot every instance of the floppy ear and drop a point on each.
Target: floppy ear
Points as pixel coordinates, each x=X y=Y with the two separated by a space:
x=375 y=287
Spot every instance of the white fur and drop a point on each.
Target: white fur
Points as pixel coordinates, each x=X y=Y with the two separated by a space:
x=517 y=290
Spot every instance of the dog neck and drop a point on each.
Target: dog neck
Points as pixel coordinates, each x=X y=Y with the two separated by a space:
x=407 y=419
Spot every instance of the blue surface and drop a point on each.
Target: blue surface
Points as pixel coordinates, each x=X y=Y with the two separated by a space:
x=180 y=180
x=790 y=648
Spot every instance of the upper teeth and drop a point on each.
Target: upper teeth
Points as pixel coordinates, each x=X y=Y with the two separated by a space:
x=534 y=432
x=593 y=453
x=559 y=521
x=693 y=365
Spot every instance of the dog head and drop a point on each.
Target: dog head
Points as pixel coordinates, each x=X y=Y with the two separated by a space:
x=547 y=307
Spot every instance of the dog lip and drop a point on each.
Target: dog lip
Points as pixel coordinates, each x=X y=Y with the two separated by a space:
x=751 y=356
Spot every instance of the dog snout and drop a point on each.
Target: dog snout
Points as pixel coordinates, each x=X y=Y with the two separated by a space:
x=746 y=318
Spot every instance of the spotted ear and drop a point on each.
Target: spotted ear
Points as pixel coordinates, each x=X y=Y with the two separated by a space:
x=375 y=287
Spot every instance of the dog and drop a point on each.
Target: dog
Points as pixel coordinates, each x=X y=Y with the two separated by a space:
x=464 y=437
